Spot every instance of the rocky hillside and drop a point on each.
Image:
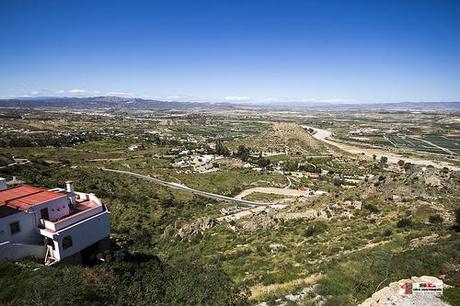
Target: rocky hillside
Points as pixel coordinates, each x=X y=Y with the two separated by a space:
x=289 y=137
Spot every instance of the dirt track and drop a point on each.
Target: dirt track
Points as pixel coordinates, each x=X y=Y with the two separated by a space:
x=271 y=190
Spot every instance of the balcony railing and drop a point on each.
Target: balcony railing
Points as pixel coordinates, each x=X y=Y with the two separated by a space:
x=70 y=219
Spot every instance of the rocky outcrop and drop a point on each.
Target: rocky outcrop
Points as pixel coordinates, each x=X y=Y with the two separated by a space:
x=392 y=295
x=187 y=231
x=191 y=230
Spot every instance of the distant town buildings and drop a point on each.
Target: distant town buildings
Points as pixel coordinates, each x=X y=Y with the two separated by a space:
x=52 y=225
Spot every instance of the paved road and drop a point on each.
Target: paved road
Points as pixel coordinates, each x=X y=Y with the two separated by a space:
x=326 y=136
x=188 y=189
x=17 y=161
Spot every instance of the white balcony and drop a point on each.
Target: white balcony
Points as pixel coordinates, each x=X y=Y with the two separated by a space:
x=77 y=215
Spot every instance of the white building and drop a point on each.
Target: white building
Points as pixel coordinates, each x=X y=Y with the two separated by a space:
x=135 y=147
x=54 y=224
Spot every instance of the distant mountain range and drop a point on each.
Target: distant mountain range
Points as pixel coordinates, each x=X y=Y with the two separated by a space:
x=113 y=102
x=103 y=102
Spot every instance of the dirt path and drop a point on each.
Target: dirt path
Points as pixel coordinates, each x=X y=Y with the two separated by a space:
x=307 y=214
x=242 y=214
x=290 y=183
x=326 y=136
x=271 y=190
x=259 y=290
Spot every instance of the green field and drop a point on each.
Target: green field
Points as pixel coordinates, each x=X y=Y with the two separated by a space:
x=442 y=141
x=407 y=142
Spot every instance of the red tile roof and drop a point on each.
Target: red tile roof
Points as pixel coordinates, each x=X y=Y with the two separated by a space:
x=17 y=192
x=23 y=197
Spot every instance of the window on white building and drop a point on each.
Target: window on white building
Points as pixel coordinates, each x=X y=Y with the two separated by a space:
x=15 y=228
x=45 y=214
x=67 y=242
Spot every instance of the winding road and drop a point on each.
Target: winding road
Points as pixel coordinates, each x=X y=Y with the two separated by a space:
x=191 y=190
x=326 y=136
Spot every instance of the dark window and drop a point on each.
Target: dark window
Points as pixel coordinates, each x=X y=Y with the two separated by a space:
x=45 y=214
x=67 y=242
x=15 y=228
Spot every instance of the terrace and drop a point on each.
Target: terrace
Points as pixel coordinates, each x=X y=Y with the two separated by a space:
x=85 y=207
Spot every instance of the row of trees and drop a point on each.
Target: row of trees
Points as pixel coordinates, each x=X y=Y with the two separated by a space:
x=243 y=153
x=45 y=140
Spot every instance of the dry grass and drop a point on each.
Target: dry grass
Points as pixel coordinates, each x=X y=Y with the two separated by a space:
x=261 y=290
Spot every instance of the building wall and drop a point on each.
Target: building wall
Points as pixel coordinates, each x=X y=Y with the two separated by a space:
x=27 y=225
x=57 y=208
x=83 y=234
x=14 y=251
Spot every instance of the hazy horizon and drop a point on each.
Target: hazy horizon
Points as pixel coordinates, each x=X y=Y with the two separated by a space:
x=275 y=103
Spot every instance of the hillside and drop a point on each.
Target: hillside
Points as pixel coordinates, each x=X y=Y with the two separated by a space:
x=283 y=137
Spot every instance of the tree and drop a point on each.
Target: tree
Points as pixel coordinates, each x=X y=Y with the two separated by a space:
x=221 y=149
x=309 y=168
x=404 y=222
x=457 y=220
x=262 y=161
x=407 y=166
x=383 y=160
x=338 y=181
x=400 y=163
x=315 y=229
x=291 y=165
x=243 y=153
x=372 y=208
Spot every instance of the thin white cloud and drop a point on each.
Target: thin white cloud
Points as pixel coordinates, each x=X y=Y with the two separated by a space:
x=120 y=94
x=237 y=98
x=186 y=98
x=34 y=93
x=176 y=97
x=77 y=91
x=60 y=92
x=338 y=100
x=307 y=100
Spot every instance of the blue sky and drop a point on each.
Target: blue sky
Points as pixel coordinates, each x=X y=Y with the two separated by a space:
x=285 y=50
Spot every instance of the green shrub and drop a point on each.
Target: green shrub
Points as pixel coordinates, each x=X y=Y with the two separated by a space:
x=404 y=222
x=387 y=233
x=452 y=296
x=372 y=208
x=125 y=279
x=315 y=229
x=436 y=219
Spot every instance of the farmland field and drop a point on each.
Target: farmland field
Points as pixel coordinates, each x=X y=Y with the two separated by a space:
x=431 y=143
x=442 y=141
